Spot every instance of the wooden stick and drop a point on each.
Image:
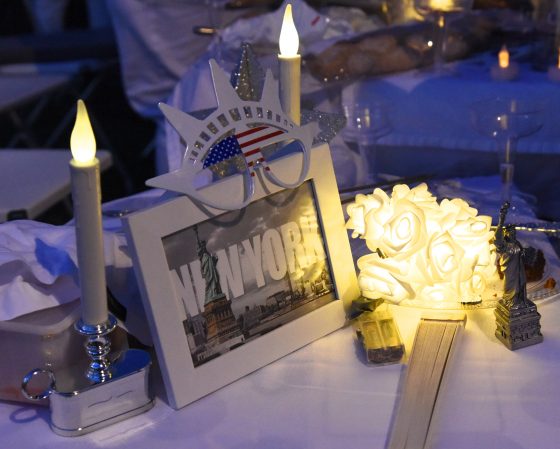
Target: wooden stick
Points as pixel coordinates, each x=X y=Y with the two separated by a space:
x=434 y=346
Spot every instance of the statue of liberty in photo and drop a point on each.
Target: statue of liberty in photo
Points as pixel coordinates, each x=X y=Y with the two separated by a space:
x=208 y=264
x=222 y=330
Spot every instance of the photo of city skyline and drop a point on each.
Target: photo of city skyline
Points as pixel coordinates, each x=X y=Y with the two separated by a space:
x=245 y=273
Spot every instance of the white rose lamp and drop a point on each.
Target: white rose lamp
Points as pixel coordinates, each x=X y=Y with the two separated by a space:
x=430 y=255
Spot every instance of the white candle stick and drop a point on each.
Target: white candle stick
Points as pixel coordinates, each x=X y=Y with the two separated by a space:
x=84 y=170
x=290 y=67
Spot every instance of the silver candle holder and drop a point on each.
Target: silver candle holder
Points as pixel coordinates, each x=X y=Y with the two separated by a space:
x=98 y=347
x=107 y=392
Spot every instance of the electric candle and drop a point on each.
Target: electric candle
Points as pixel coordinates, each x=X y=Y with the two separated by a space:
x=290 y=67
x=503 y=58
x=442 y=5
x=506 y=70
x=554 y=71
x=84 y=170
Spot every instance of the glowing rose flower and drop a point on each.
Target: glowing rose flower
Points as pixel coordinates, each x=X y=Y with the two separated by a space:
x=404 y=234
x=382 y=278
x=420 y=195
x=400 y=192
x=472 y=231
x=356 y=220
x=472 y=289
x=455 y=210
x=438 y=293
x=376 y=203
x=444 y=257
x=474 y=236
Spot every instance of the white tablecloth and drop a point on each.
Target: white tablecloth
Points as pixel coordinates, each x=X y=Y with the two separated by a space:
x=323 y=396
x=430 y=110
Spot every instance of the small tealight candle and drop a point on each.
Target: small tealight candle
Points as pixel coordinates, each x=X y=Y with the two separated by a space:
x=441 y=5
x=86 y=196
x=554 y=71
x=505 y=70
x=290 y=67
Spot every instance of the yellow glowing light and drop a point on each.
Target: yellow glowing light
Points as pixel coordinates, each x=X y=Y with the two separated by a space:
x=441 y=5
x=422 y=250
x=82 y=140
x=559 y=58
x=478 y=227
x=503 y=58
x=403 y=228
x=289 y=39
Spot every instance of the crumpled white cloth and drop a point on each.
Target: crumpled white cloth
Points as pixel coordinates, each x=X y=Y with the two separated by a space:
x=265 y=29
x=38 y=265
x=316 y=30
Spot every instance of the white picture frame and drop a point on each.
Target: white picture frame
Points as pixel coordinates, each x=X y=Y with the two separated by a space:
x=147 y=231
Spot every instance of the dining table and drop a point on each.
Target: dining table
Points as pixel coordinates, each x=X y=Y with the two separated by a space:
x=326 y=395
x=33 y=180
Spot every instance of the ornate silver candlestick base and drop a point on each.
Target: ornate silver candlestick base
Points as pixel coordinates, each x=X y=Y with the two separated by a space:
x=98 y=347
x=107 y=393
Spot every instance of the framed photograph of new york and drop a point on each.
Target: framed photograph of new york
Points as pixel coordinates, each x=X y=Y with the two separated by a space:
x=227 y=292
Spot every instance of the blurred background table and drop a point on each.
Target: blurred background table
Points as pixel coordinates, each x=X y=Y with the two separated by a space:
x=31 y=181
x=17 y=91
x=433 y=130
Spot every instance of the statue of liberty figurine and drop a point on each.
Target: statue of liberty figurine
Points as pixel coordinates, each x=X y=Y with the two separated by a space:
x=511 y=263
x=517 y=318
x=208 y=264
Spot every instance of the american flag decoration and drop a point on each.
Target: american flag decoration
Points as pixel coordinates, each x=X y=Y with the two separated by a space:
x=247 y=143
x=248 y=127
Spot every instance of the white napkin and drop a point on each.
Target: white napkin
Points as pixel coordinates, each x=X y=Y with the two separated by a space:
x=264 y=30
x=38 y=265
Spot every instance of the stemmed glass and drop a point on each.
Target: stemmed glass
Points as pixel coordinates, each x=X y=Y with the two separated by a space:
x=216 y=16
x=507 y=120
x=366 y=123
x=439 y=12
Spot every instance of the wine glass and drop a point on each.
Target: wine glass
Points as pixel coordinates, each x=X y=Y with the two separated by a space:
x=439 y=12
x=216 y=17
x=366 y=123
x=507 y=120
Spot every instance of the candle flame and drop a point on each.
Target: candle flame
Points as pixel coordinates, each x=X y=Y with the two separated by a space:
x=82 y=140
x=441 y=5
x=559 y=57
x=503 y=58
x=289 y=39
